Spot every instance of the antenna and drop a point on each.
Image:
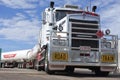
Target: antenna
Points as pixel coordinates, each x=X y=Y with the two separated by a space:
x=90 y=5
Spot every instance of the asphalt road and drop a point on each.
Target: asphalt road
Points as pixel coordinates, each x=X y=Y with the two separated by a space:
x=29 y=74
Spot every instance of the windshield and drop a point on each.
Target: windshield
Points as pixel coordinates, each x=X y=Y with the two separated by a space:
x=60 y=14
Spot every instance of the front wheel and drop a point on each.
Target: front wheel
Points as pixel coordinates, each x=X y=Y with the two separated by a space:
x=69 y=69
x=46 y=67
x=47 y=70
x=101 y=73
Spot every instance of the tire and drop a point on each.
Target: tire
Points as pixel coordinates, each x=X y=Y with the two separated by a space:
x=47 y=70
x=18 y=65
x=70 y=69
x=38 y=68
x=101 y=73
x=27 y=66
x=3 y=65
x=0 y=65
x=46 y=67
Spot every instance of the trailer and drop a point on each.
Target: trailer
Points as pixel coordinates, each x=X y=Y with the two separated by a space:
x=19 y=58
x=11 y=59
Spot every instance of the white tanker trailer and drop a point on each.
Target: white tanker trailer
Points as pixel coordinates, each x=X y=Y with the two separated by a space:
x=15 y=55
x=19 y=58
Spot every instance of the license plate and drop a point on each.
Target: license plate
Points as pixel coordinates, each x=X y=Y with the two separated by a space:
x=107 y=58
x=85 y=48
x=60 y=56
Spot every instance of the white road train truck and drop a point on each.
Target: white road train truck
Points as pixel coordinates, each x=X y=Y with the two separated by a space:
x=72 y=38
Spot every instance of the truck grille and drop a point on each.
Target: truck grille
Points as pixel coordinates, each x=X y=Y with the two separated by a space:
x=83 y=33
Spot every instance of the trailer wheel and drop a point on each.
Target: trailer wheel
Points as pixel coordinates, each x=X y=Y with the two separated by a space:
x=3 y=65
x=0 y=65
x=18 y=65
x=27 y=66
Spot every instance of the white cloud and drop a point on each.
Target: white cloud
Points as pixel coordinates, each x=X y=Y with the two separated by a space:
x=31 y=13
x=101 y=3
x=42 y=3
x=20 y=4
x=28 y=4
x=19 y=28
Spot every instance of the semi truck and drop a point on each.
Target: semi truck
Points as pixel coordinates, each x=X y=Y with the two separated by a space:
x=70 y=38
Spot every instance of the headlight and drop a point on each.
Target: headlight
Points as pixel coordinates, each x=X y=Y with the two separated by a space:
x=59 y=42
x=94 y=56
x=106 y=45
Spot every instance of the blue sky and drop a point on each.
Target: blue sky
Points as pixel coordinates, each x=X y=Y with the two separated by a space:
x=20 y=20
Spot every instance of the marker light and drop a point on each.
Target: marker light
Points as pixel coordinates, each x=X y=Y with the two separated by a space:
x=99 y=33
